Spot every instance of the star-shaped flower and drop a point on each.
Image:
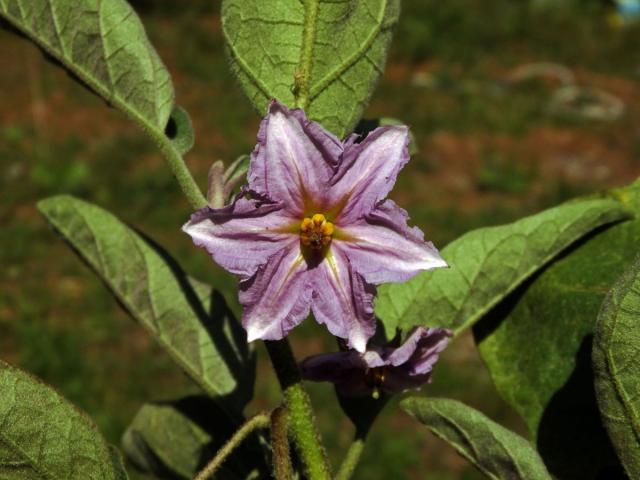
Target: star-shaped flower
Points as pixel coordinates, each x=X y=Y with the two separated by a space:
x=313 y=230
x=380 y=369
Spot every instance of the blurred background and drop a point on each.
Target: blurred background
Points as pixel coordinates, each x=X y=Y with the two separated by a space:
x=515 y=106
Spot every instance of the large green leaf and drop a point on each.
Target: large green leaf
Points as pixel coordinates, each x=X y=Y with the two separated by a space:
x=42 y=436
x=176 y=439
x=537 y=346
x=104 y=44
x=497 y=452
x=186 y=317
x=341 y=45
x=488 y=263
x=616 y=355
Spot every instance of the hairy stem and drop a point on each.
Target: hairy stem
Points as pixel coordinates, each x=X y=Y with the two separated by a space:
x=352 y=457
x=179 y=169
x=302 y=80
x=282 y=469
x=301 y=421
x=261 y=420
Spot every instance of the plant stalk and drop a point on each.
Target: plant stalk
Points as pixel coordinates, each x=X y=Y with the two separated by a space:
x=301 y=420
x=282 y=469
x=261 y=420
x=352 y=458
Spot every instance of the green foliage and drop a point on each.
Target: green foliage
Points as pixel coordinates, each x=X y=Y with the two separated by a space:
x=537 y=346
x=185 y=316
x=44 y=437
x=323 y=56
x=176 y=439
x=488 y=263
x=616 y=348
x=497 y=452
x=105 y=46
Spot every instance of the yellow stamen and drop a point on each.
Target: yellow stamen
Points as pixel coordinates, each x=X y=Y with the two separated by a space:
x=374 y=379
x=316 y=232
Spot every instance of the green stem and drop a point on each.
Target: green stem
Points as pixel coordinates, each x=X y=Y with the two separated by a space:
x=178 y=168
x=261 y=420
x=302 y=427
x=352 y=457
x=282 y=469
x=302 y=80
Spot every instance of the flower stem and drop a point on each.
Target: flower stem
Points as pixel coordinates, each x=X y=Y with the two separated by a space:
x=260 y=420
x=282 y=469
x=302 y=80
x=301 y=421
x=352 y=457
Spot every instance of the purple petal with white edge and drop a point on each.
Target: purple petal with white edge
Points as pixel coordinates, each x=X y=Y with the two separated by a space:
x=243 y=235
x=368 y=172
x=294 y=159
x=277 y=297
x=343 y=301
x=382 y=248
x=423 y=343
x=428 y=347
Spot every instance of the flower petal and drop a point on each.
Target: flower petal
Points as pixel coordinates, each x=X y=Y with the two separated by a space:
x=294 y=159
x=368 y=172
x=420 y=350
x=243 y=235
x=343 y=300
x=382 y=248
x=277 y=297
x=345 y=369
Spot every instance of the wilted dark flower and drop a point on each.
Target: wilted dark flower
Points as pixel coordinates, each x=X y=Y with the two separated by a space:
x=380 y=369
x=313 y=230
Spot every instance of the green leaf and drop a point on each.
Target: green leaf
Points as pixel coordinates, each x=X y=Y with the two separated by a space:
x=189 y=320
x=537 y=346
x=616 y=350
x=104 y=44
x=495 y=451
x=180 y=131
x=487 y=264
x=42 y=436
x=330 y=56
x=176 y=439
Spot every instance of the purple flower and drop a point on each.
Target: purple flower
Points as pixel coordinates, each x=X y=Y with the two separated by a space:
x=313 y=230
x=380 y=369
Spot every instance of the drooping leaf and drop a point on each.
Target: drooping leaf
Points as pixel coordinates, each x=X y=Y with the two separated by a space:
x=537 y=346
x=176 y=439
x=616 y=355
x=189 y=320
x=487 y=264
x=104 y=45
x=342 y=45
x=497 y=452
x=42 y=436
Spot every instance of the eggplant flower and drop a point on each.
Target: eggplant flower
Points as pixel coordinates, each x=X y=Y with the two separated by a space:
x=312 y=231
x=380 y=369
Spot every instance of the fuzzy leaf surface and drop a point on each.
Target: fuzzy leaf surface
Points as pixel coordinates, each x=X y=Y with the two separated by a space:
x=189 y=320
x=616 y=351
x=537 y=345
x=497 y=452
x=264 y=41
x=487 y=264
x=44 y=437
x=104 y=45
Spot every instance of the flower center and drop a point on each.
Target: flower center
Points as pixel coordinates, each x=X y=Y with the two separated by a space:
x=374 y=379
x=316 y=232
